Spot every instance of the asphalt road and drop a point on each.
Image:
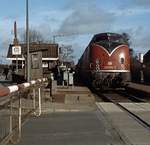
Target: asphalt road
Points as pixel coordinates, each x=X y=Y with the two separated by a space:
x=82 y=128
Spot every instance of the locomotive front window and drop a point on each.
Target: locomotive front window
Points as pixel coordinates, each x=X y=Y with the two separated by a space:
x=109 y=41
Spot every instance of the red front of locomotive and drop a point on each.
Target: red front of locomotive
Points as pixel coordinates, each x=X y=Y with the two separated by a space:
x=109 y=60
x=116 y=61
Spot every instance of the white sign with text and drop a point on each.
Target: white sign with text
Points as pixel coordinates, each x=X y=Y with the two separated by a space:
x=16 y=50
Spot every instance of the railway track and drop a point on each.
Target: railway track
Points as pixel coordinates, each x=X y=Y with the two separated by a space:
x=141 y=95
x=114 y=97
x=130 y=96
x=117 y=98
x=121 y=96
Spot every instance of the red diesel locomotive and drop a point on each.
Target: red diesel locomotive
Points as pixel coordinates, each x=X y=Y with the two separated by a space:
x=106 y=61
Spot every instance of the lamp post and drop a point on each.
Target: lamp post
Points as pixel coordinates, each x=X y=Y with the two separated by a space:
x=27 y=42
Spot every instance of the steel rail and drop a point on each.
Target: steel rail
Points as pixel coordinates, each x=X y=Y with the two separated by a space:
x=131 y=96
x=136 y=117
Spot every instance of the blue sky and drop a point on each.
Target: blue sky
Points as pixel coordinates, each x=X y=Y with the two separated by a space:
x=81 y=17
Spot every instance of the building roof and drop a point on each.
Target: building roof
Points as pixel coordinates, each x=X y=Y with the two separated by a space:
x=48 y=50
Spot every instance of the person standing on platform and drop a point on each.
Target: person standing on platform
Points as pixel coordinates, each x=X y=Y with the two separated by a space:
x=6 y=70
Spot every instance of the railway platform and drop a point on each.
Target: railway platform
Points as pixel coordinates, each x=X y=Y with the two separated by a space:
x=67 y=117
x=142 y=110
x=67 y=128
x=71 y=117
x=129 y=129
x=139 y=87
x=69 y=99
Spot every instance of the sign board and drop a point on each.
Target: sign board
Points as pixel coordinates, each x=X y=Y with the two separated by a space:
x=36 y=70
x=16 y=50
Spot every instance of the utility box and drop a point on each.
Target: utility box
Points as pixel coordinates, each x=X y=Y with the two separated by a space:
x=36 y=65
x=65 y=76
x=71 y=79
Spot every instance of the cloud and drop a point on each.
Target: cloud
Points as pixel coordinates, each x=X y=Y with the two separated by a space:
x=142 y=3
x=5 y=34
x=139 y=38
x=49 y=18
x=132 y=8
x=130 y=12
x=87 y=18
x=134 y=4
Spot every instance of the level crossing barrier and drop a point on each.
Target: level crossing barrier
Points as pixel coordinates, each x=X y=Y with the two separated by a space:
x=17 y=104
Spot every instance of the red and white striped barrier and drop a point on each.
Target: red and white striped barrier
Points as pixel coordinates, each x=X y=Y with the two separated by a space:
x=4 y=91
x=13 y=88
x=26 y=85
x=33 y=82
x=39 y=80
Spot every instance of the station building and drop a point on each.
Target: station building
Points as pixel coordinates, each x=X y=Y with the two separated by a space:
x=44 y=60
x=43 y=57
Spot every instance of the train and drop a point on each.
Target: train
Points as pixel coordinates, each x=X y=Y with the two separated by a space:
x=146 y=68
x=105 y=62
x=140 y=68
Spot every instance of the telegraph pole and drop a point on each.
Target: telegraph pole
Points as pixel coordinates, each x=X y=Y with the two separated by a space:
x=27 y=42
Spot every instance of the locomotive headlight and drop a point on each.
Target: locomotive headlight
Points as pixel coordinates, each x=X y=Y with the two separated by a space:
x=97 y=64
x=97 y=61
x=122 y=58
x=121 y=55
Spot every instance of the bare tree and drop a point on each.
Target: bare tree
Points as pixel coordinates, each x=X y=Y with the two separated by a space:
x=34 y=36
